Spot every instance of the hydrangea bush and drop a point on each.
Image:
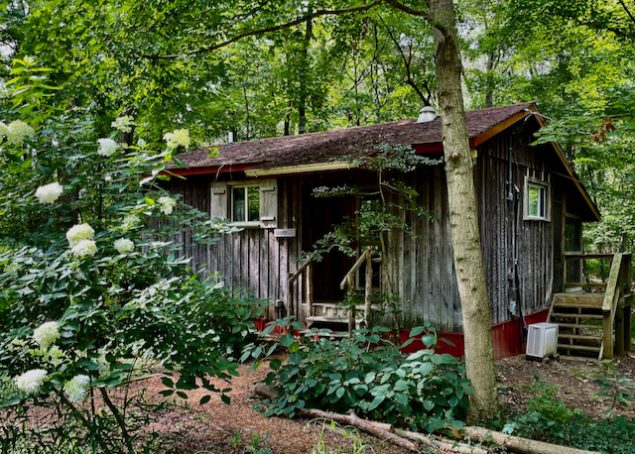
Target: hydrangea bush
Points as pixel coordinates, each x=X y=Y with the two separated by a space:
x=92 y=281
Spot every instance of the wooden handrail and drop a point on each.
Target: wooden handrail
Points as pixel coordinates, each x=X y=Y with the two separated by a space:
x=612 y=284
x=362 y=258
x=619 y=278
x=307 y=269
x=294 y=277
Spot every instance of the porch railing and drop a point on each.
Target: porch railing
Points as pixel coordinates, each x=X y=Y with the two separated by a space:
x=616 y=307
x=348 y=284
x=617 y=298
x=303 y=273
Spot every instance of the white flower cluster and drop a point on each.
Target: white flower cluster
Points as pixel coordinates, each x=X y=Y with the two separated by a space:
x=124 y=245
x=31 y=381
x=76 y=388
x=166 y=205
x=123 y=123
x=15 y=132
x=177 y=138
x=46 y=334
x=80 y=238
x=107 y=147
x=78 y=233
x=49 y=193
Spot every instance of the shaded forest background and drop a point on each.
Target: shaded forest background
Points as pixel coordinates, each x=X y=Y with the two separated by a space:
x=266 y=68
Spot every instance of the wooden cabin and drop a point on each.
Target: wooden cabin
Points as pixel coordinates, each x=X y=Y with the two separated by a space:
x=531 y=204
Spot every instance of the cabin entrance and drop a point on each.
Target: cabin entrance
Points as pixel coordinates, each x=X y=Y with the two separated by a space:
x=320 y=216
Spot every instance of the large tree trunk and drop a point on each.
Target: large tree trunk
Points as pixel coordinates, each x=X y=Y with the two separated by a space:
x=468 y=258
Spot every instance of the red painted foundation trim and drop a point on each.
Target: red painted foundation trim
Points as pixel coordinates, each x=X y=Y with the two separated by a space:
x=507 y=337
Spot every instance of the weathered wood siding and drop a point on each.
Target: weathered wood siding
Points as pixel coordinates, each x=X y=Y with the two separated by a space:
x=419 y=267
x=503 y=229
x=252 y=260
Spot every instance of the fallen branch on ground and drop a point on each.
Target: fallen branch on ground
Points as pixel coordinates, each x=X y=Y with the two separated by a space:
x=516 y=444
x=404 y=438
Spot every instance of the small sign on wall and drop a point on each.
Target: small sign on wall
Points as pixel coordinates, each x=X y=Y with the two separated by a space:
x=284 y=233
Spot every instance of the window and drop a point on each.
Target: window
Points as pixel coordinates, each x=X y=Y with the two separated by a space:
x=536 y=201
x=249 y=203
x=245 y=202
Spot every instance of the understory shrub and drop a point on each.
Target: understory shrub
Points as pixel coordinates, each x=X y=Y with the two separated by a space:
x=94 y=286
x=370 y=376
x=548 y=418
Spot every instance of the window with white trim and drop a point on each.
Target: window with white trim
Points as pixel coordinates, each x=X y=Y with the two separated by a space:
x=537 y=196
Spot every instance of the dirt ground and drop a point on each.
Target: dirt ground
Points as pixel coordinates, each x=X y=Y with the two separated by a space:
x=239 y=428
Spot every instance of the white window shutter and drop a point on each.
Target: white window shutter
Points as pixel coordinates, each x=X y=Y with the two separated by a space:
x=218 y=200
x=269 y=204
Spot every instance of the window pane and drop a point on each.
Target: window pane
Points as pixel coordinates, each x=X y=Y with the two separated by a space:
x=238 y=204
x=533 y=198
x=253 y=199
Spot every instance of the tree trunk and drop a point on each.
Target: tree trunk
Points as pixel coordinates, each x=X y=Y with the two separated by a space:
x=468 y=258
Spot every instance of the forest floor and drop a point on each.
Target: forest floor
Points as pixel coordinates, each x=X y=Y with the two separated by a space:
x=188 y=427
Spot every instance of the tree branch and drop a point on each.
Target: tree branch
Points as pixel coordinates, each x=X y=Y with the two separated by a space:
x=270 y=29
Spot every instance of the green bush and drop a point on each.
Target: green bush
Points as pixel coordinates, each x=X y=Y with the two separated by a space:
x=548 y=418
x=369 y=375
x=93 y=283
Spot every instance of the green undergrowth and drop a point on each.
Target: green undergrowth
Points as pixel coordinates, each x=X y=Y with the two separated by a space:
x=548 y=418
x=369 y=375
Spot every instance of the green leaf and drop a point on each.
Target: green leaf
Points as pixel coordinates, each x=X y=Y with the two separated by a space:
x=205 y=399
x=417 y=330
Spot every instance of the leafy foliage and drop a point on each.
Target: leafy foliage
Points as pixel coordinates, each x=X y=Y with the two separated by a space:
x=93 y=290
x=549 y=419
x=369 y=375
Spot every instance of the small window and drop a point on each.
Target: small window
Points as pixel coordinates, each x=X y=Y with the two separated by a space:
x=536 y=201
x=245 y=204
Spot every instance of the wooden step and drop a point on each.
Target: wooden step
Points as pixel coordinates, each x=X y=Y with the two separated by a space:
x=579 y=300
x=579 y=337
x=327 y=319
x=573 y=325
x=574 y=315
x=585 y=348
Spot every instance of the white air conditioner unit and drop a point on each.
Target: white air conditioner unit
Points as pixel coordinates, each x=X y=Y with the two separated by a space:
x=542 y=340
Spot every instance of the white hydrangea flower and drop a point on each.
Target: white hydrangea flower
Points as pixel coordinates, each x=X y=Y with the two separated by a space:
x=84 y=248
x=166 y=204
x=49 y=193
x=107 y=147
x=31 y=381
x=124 y=245
x=18 y=131
x=78 y=233
x=4 y=131
x=76 y=388
x=123 y=123
x=46 y=334
x=177 y=138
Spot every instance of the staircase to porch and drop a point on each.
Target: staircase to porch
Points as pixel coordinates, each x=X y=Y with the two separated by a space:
x=337 y=316
x=594 y=316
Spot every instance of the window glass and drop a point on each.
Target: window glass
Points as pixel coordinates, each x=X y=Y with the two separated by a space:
x=238 y=204
x=253 y=203
x=536 y=201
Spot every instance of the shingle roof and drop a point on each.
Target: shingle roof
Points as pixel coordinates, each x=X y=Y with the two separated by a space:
x=321 y=147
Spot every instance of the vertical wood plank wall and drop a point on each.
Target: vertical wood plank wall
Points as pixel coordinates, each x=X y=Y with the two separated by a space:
x=419 y=265
x=252 y=260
